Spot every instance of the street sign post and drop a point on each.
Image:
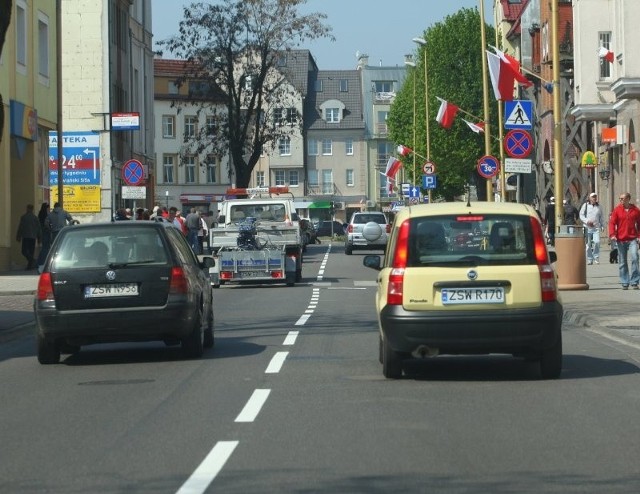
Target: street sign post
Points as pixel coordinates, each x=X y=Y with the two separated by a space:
x=429 y=181
x=132 y=172
x=488 y=166
x=429 y=168
x=519 y=114
x=518 y=143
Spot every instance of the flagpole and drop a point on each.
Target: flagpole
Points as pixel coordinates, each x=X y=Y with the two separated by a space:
x=485 y=97
x=413 y=74
x=503 y=181
x=558 y=166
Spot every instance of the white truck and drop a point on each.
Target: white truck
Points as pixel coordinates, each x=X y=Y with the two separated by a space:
x=257 y=239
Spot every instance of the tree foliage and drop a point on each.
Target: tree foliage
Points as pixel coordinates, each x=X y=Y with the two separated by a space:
x=454 y=55
x=233 y=49
x=6 y=6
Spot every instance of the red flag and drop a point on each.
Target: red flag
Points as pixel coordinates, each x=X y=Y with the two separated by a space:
x=606 y=54
x=404 y=150
x=515 y=66
x=446 y=113
x=478 y=128
x=393 y=165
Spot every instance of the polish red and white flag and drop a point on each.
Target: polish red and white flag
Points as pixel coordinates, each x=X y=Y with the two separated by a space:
x=606 y=54
x=446 y=113
x=477 y=127
x=393 y=165
x=504 y=71
x=404 y=150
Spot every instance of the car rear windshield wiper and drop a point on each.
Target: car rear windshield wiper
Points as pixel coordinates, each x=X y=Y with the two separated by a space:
x=115 y=265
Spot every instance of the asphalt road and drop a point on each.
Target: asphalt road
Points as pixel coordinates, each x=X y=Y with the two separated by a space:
x=292 y=399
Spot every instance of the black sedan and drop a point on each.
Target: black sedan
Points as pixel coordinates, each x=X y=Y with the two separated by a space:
x=119 y=282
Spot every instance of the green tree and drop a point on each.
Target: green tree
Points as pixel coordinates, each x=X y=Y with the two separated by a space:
x=6 y=6
x=232 y=50
x=454 y=73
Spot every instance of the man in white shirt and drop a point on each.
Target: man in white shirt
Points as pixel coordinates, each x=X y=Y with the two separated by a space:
x=591 y=217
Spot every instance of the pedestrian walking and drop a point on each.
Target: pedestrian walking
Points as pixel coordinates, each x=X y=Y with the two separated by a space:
x=570 y=215
x=57 y=220
x=45 y=244
x=29 y=232
x=624 y=229
x=591 y=217
x=550 y=220
x=193 y=225
x=203 y=232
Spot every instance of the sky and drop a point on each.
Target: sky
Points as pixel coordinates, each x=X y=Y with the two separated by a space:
x=381 y=29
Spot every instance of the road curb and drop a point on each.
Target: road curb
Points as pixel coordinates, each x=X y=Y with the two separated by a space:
x=18 y=292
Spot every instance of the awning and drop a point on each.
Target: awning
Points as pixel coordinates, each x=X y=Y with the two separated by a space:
x=312 y=204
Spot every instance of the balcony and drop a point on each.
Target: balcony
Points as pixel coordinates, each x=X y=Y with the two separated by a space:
x=323 y=190
x=382 y=130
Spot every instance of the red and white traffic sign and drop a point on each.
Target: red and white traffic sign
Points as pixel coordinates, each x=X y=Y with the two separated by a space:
x=429 y=168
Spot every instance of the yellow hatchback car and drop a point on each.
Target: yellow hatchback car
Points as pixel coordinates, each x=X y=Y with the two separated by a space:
x=468 y=278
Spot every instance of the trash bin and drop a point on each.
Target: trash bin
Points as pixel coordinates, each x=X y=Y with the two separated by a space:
x=571 y=266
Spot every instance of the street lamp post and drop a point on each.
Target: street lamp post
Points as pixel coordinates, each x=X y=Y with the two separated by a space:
x=423 y=43
x=415 y=174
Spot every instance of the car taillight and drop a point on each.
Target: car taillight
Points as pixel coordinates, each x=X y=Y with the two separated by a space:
x=45 y=287
x=388 y=228
x=178 y=283
x=350 y=229
x=396 y=278
x=548 y=286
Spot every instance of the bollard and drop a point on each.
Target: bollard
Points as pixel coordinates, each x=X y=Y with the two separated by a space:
x=571 y=266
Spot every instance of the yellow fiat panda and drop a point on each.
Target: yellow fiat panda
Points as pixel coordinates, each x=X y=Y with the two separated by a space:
x=467 y=278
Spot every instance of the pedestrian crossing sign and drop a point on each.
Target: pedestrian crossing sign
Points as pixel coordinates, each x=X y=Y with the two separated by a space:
x=519 y=114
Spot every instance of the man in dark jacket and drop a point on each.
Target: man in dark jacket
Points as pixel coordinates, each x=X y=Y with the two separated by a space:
x=571 y=214
x=57 y=220
x=29 y=232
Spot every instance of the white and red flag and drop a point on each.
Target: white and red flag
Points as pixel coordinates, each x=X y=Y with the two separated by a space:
x=477 y=127
x=404 y=150
x=393 y=165
x=606 y=54
x=446 y=113
x=504 y=71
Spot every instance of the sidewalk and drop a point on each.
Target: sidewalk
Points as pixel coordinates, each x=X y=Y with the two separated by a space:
x=604 y=307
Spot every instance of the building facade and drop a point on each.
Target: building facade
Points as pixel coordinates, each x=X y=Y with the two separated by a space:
x=28 y=75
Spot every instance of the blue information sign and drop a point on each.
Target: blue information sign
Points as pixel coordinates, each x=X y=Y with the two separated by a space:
x=80 y=158
x=429 y=181
x=519 y=114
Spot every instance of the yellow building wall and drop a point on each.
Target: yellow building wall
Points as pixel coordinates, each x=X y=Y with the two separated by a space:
x=23 y=162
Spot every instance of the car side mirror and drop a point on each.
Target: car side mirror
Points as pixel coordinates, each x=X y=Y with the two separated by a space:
x=295 y=217
x=553 y=256
x=207 y=262
x=372 y=261
x=221 y=219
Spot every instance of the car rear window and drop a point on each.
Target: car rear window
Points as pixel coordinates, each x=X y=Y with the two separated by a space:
x=361 y=219
x=470 y=240
x=104 y=245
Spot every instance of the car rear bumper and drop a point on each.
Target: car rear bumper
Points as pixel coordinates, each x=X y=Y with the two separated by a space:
x=362 y=242
x=113 y=325
x=503 y=331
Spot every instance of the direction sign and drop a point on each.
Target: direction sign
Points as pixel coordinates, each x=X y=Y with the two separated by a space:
x=518 y=143
x=80 y=158
x=429 y=181
x=519 y=114
x=414 y=191
x=429 y=168
x=132 y=172
x=488 y=166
